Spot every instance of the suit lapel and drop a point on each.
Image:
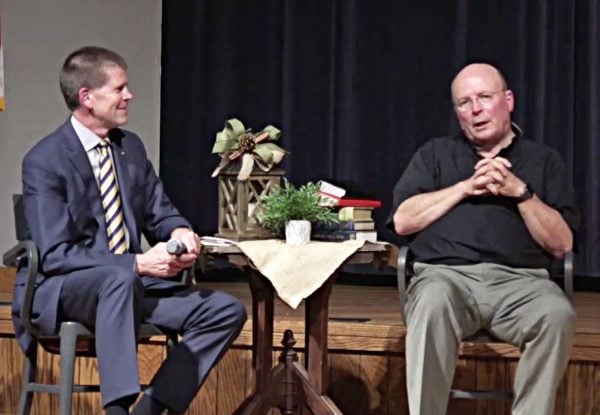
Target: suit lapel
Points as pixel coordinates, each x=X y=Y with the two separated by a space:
x=80 y=161
x=120 y=158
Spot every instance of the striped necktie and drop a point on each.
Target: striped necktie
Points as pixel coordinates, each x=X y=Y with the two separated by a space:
x=111 y=202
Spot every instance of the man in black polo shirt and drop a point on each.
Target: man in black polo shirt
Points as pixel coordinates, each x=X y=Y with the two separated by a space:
x=485 y=212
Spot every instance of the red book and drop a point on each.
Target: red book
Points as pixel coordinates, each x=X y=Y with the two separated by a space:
x=370 y=203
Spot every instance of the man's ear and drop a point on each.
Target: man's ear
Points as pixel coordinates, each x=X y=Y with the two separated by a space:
x=510 y=99
x=85 y=99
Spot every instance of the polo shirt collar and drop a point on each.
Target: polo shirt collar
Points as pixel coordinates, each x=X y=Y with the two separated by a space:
x=506 y=150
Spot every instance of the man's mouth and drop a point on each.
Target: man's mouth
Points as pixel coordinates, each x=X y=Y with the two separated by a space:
x=480 y=124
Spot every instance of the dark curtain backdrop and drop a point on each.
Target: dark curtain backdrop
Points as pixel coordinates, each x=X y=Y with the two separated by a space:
x=357 y=86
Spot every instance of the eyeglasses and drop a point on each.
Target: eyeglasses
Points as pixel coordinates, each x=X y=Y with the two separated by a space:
x=485 y=99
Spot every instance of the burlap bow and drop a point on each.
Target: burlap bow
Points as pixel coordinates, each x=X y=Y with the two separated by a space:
x=235 y=141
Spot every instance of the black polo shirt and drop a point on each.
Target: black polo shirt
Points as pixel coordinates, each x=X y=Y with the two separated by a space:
x=484 y=228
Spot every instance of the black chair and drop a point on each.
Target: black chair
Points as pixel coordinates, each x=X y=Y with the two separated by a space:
x=562 y=269
x=72 y=340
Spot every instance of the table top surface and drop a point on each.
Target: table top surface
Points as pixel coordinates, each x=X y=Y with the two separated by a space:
x=378 y=254
x=368 y=247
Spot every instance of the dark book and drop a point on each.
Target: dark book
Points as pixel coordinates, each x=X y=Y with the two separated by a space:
x=348 y=225
x=336 y=236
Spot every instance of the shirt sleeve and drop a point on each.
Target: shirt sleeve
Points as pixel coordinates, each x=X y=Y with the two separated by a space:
x=558 y=191
x=418 y=177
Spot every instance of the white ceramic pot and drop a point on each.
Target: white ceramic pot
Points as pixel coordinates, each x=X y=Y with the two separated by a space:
x=297 y=232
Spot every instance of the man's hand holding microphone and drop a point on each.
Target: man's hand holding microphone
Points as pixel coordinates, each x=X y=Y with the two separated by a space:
x=167 y=259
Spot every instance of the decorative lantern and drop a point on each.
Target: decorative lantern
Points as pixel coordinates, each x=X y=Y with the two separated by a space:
x=245 y=174
x=239 y=202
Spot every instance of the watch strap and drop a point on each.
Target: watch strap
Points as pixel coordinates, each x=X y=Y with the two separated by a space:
x=526 y=195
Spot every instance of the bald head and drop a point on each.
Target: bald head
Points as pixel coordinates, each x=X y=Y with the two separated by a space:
x=485 y=70
x=483 y=106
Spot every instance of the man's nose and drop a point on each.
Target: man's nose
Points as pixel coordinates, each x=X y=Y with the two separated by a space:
x=476 y=105
x=127 y=94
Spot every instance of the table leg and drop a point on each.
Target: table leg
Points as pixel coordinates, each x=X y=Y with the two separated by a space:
x=262 y=348
x=262 y=329
x=317 y=315
x=314 y=378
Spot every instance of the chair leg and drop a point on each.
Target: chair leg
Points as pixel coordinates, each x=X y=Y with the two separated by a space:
x=172 y=341
x=29 y=375
x=68 y=344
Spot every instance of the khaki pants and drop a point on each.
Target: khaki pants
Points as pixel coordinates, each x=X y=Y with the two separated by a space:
x=519 y=306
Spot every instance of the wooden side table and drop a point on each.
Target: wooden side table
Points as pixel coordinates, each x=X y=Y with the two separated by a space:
x=314 y=377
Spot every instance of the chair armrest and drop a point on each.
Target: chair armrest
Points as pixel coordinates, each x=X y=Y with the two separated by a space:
x=13 y=258
x=403 y=275
x=568 y=275
x=188 y=276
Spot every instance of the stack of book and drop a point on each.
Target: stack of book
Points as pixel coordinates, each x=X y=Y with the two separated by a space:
x=356 y=220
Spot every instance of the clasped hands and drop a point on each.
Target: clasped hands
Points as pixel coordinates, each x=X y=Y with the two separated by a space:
x=493 y=176
x=157 y=262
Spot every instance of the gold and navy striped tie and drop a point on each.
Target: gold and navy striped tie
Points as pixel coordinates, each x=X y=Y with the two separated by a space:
x=111 y=202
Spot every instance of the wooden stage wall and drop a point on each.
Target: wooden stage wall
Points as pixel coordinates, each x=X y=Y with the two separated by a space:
x=366 y=362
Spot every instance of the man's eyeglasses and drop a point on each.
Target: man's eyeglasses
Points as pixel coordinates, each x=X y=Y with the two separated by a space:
x=485 y=99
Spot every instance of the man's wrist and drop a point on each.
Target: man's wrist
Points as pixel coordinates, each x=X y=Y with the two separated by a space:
x=463 y=188
x=525 y=194
x=178 y=231
x=136 y=268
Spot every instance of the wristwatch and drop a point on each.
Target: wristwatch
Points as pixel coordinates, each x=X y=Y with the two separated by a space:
x=526 y=195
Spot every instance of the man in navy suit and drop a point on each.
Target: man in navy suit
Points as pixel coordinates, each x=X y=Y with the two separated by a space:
x=81 y=279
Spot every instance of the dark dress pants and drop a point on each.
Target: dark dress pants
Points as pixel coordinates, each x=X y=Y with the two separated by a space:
x=114 y=302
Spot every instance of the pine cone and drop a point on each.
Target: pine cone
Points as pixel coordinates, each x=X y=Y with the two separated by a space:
x=247 y=143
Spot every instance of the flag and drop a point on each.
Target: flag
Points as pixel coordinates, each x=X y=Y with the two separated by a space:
x=2 y=102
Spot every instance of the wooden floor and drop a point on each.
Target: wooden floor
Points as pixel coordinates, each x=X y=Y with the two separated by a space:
x=366 y=340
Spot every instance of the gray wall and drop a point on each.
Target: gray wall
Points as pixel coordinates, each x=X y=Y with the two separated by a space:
x=37 y=35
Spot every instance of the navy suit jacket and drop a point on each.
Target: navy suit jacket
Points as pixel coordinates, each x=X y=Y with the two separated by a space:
x=66 y=219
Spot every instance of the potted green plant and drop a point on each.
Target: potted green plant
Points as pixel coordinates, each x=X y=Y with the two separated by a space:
x=295 y=208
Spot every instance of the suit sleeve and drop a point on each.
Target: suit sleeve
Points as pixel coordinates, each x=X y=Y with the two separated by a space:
x=161 y=217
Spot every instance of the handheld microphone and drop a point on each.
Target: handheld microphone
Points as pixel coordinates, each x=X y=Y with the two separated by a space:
x=176 y=247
